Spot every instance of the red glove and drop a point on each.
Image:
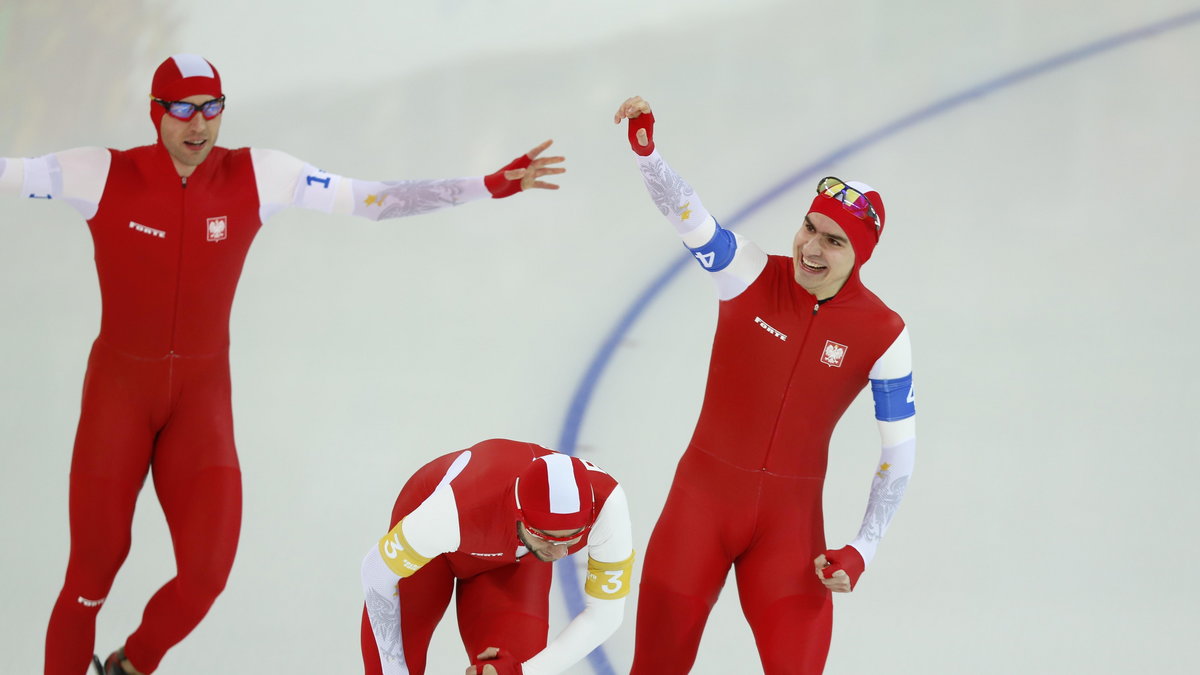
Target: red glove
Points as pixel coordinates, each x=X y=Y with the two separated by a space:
x=847 y=559
x=643 y=121
x=500 y=186
x=504 y=663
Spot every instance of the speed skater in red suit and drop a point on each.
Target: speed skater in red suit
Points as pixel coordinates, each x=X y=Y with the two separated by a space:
x=481 y=524
x=171 y=224
x=797 y=338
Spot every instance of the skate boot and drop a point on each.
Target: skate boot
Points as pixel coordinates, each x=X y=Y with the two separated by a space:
x=112 y=665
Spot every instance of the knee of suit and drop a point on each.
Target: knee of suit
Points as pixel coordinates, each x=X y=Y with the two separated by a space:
x=90 y=573
x=81 y=599
x=201 y=585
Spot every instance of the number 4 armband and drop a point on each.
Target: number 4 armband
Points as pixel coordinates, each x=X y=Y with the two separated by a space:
x=609 y=581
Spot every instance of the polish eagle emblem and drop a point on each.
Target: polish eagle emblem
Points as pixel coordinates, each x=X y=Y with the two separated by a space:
x=833 y=354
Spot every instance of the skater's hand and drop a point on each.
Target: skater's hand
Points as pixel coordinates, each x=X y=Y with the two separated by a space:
x=631 y=108
x=839 y=582
x=537 y=168
x=839 y=569
x=524 y=173
x=641 y=124
x=485 y=655
x=499 y=662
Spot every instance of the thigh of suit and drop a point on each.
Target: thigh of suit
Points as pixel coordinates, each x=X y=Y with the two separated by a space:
x=507 y=607
x=424 y=597
x=788 y=608
x=124 y=405
x=196 y=472
x=707 y=522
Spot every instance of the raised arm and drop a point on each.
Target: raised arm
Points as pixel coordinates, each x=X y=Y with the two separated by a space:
x=896 y=415
x=735 y=262
x=76 y=177
x=286 y=181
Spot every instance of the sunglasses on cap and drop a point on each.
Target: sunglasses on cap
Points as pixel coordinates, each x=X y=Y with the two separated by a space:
x=852 y=200
x=184 y=111
x=551 y=539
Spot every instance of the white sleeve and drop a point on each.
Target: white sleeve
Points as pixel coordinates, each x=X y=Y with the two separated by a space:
x=734 y=261
x=428 y=531
x=76 y=177
x=611 y=538
x=286 y=181
x=382 y=602
x=895 y=412
x=610 y=541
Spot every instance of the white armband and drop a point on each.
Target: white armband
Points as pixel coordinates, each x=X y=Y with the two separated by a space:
x=76 y=176
x=316 y=190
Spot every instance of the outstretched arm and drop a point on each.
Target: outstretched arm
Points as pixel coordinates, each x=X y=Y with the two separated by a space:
x=75 y=176
x=895 y=412
x=734 y=261
x=286 y=181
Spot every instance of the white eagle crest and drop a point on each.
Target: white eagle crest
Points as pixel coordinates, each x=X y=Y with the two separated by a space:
x=216 y=229
x=834 y=353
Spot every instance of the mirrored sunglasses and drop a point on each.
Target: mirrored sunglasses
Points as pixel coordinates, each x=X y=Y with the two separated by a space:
x=852 y=200
x=184 y=111
x=551 y=538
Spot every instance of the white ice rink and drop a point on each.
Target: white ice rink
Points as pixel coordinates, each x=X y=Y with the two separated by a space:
x=1041 y=243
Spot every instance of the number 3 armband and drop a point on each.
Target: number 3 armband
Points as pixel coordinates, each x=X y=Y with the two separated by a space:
x=398 y=554
x=609 y=581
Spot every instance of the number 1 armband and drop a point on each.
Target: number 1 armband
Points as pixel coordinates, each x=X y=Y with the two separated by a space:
x=609 y=581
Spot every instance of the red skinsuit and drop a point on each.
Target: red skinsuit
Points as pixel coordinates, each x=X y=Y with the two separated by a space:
x=156 y=394
x=747 y=491
x=501 y=600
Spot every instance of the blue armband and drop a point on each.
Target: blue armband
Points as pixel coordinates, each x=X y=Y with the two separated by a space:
x=893 y=399
x=718 y=252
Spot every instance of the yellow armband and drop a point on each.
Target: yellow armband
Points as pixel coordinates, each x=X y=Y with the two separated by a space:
x=609 y=581
x=398 y=554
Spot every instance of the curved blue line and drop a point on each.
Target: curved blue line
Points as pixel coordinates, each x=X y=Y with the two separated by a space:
x=587 y=386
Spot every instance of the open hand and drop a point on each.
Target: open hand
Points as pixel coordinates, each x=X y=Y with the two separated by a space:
x=538 y=167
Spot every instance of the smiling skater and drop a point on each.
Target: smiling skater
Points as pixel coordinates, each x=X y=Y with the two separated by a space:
x=797 y=338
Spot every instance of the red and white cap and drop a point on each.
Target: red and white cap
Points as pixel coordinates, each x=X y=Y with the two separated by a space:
x=863 y=232
x=555 y=493
x=181 y=76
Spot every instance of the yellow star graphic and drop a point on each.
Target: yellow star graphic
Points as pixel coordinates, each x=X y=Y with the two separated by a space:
x=685 y=213
x=883 y=468
x=374 y=199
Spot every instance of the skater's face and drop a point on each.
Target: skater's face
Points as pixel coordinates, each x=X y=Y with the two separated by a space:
x=548 y=551
x=190 y=142
x=822 y=255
